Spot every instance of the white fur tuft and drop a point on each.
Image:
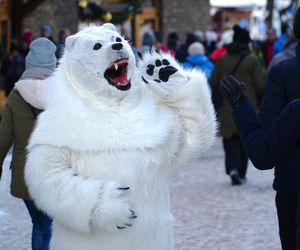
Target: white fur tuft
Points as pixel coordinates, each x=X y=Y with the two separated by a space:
x=110 y=26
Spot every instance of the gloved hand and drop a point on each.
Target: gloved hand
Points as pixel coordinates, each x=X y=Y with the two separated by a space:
x=233 y=90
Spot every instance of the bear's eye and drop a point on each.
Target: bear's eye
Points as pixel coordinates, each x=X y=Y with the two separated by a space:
x=97 y=46
x=118 y=39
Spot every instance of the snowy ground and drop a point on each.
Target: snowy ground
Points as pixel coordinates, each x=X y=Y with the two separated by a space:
x=210 y=213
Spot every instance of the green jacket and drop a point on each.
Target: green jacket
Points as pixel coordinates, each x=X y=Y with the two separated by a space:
x=18 y=120
x=250 y=72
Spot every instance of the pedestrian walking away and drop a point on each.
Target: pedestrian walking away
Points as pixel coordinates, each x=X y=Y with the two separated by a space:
x=18 y=119
x=239 y=62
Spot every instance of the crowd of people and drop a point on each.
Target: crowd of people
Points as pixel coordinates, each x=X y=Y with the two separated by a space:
x=12 y=65
x=267 y=70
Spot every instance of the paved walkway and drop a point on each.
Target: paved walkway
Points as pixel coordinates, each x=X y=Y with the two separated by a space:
x=210 y=213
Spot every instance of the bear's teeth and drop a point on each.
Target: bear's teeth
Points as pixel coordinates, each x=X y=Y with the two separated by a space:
x=116 y=66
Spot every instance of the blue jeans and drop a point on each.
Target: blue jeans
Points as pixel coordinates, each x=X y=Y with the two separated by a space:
x=41 y=227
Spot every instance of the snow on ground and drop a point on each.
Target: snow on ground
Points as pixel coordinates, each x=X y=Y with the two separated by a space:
x=210 y=213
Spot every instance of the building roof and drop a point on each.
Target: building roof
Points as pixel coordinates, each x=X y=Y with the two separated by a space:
x=237 y=3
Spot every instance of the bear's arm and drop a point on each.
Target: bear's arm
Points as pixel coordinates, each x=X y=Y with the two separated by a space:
x=192 y=103
x=68 y=198
x=188 y=95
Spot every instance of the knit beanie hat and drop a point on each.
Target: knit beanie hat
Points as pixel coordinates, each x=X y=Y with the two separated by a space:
x=27 y=37
x=46 y=28
x=173 y=36
x=196 y=48
x=148 y=39
x=241 y=35
x=41 y=54
x=296 y=24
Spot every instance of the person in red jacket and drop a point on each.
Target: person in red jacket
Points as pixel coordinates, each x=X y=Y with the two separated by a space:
x=226 y=39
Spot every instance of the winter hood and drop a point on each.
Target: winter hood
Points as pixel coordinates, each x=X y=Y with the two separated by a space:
x=31 y=88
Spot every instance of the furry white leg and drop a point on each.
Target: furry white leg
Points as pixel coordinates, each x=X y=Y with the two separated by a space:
x=78 y=202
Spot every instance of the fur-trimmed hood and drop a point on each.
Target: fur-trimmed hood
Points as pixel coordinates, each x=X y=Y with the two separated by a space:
x=31 y=89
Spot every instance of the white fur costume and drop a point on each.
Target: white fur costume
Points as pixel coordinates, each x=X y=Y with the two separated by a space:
x=94 y=140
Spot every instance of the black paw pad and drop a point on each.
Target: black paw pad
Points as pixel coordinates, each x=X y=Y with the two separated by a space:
x=150 y=72
x=164 y=73
x=150 y=66
x=165 y=62
x=157 y=80
x=157 y=63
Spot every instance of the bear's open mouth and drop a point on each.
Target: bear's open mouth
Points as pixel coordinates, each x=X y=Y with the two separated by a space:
x=116 y=74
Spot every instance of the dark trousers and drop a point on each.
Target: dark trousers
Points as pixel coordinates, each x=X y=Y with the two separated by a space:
x=298 y=238
x=235 y=156
x=41 y=227
x=286 y=212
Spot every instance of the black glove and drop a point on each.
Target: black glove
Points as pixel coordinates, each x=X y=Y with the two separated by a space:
x=233 y=90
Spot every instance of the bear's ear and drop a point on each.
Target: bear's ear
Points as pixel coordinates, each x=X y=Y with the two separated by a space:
x=109 y=26
x=70 y=42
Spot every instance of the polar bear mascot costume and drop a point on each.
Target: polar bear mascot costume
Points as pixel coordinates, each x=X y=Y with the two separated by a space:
x=101 y=154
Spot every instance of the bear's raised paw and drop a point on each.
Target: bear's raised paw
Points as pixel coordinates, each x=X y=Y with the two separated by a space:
x=161 y=73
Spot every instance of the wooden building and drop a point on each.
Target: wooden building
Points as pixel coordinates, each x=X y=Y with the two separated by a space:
x=158 y=15
x=5 y=24
x=17 y=16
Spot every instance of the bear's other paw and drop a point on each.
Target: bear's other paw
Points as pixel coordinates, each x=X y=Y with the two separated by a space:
x=112 y=212
x=161 y=73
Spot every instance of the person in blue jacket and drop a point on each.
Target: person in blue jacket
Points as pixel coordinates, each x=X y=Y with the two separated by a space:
x=197 y=59
x=280 y=147
x=278 y=45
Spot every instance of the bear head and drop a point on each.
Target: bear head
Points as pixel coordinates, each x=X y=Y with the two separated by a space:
x=99 y=59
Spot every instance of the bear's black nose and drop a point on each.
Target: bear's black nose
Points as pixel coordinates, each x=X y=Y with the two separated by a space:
x=117 y=46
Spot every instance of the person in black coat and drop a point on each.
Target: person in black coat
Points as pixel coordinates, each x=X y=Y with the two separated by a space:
x=283 y=86
x=279 y=148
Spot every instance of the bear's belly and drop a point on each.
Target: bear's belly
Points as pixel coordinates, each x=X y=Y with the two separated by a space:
x=143 y=235
x=146 y=172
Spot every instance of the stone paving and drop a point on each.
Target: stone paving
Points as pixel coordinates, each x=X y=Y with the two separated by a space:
x=210 y=213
